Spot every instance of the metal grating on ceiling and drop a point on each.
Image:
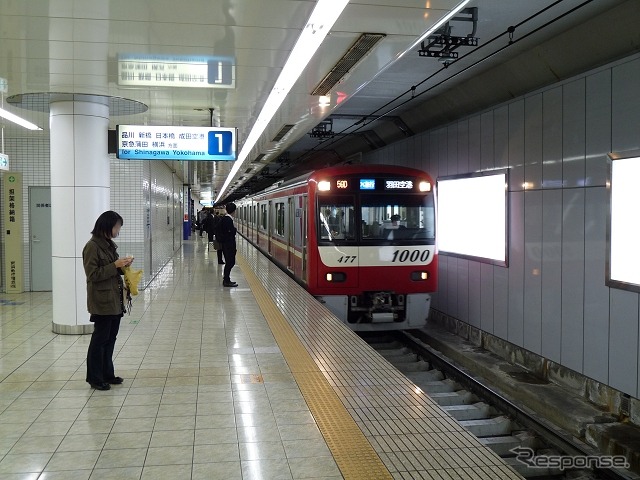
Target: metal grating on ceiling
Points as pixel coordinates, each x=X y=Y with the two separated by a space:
x=357 y=52
x=283 y=131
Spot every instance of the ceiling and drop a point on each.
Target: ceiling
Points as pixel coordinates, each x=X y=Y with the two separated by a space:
x=73 y=46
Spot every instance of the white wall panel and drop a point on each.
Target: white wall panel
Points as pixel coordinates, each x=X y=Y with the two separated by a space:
x=500 y=301
x=475 y=143
x=552 y=138
x=475 y=295
x=598 y=126
x=413 y=145
x=623 y=341
x=572 y=278
x=596 y=293
x=516 y=268
x=486 y=297
x=463 y=146
x=419 y=152
x=625 y=103
x=501 y=136
x=452 y=149
x=439 y=300
x=440 y=140
x=424 y=162
x=551 y=273
x=434 y=157
x=487 y=153
x=462 y=275
x=532 y=315
x=452 y=286
x=533 y=142
x=573 y=131
x=516 y=146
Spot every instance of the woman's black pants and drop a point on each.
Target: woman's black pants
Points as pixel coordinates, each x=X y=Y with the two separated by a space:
x=100 y=354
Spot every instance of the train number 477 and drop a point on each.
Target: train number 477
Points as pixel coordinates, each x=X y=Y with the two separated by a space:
x=347 y=259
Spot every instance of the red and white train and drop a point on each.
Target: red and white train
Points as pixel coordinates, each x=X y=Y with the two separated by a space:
x=361 y=238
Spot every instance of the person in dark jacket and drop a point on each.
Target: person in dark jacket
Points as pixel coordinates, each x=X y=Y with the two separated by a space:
x=105 y=303
x=226 y=235
x=215 y=224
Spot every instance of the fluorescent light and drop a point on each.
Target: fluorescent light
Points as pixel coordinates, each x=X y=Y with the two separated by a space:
x=320 y=22
x=16 y=119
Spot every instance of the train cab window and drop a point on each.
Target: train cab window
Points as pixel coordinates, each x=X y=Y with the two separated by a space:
x=397 y=218
x=336 y=221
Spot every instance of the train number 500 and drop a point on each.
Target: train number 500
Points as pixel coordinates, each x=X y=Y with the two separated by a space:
x=411 y=256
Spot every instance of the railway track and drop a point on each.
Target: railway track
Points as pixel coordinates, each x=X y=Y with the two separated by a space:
x=530 y=444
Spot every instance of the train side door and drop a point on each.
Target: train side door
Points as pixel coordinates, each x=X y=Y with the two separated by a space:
x=304 y=239
x=269 y=227
x=254 y=223
x=290 y=239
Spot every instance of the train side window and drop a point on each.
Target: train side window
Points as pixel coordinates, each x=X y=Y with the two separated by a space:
x=263 y=216
x=336 y=221
x=280 y=219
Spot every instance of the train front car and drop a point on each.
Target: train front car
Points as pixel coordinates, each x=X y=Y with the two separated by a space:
x=373 y=228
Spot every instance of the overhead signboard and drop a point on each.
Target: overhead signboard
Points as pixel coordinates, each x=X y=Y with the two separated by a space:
x=201 y=71
x=142 y=142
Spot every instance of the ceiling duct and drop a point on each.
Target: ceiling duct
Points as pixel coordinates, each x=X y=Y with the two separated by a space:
x=283 y=131
x=259 y=158
x=357 y=52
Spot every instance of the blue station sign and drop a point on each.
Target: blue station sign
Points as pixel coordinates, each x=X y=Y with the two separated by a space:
x=142 y=142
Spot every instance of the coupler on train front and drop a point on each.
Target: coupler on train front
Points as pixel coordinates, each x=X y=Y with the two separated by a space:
x=379 y=311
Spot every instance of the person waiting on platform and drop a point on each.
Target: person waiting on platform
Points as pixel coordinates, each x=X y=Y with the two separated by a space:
x=226 y=235
x=105 y=301
x=215 y=224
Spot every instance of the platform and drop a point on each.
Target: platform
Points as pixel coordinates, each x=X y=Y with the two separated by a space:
x=254 y=382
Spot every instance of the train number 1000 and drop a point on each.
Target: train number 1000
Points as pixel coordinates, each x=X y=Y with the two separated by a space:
x=410 y=256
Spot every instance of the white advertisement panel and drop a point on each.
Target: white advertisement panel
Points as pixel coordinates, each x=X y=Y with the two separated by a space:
x=624 y=234
x=472 y=216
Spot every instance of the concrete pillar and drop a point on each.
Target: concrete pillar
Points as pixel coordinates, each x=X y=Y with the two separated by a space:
x=80 y=187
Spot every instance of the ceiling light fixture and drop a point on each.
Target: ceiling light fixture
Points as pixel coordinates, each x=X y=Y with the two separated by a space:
x=320 y=22
x=16 y=119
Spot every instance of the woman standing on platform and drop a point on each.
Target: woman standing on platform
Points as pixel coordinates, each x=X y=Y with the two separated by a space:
x=105 y=300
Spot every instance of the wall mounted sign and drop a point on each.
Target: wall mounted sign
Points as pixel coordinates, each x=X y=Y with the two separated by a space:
x=142 y=142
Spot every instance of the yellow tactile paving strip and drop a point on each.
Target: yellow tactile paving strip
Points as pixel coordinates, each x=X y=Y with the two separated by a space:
x=351 y=450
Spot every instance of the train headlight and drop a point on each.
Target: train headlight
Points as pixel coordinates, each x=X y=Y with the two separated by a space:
x=419 y=276
x=324 y=186
x=336 y=277
x=424 y=186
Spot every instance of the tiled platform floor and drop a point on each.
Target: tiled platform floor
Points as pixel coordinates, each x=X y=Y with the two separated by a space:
x=207 y=392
